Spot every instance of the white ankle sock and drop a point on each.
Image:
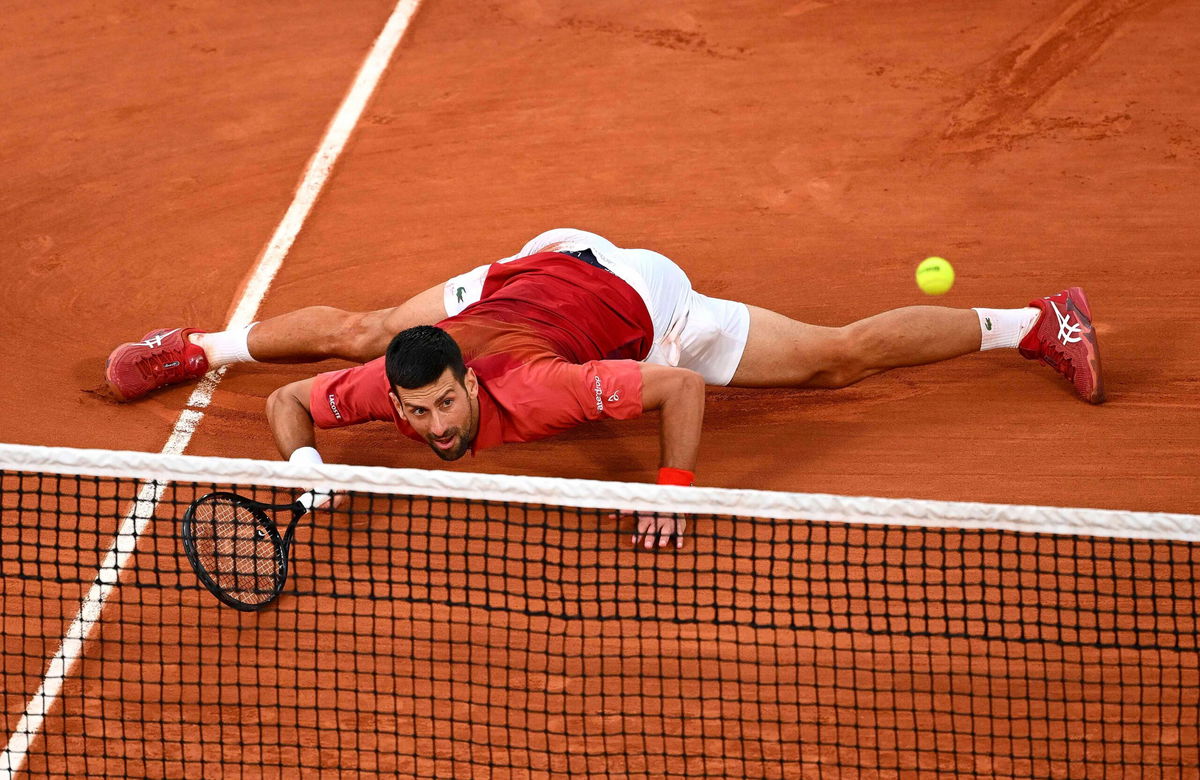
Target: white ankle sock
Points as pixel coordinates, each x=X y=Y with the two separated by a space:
x=225 y=347
x=1005 y=327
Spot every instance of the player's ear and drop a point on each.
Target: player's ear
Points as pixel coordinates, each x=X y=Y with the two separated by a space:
x=395 y=399
x=471 y=384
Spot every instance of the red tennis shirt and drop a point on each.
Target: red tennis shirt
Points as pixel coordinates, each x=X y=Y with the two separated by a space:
x=553 y=340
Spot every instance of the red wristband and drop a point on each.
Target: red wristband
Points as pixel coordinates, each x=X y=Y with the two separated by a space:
x=670 y=476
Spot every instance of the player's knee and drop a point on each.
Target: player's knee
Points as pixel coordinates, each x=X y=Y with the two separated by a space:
x=692 y=382
x=359 y=336
x=843 y=359
x=274 y=399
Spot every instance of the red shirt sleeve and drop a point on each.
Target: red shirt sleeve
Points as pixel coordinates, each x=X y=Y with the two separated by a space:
x=352 y=396
x=546 y=397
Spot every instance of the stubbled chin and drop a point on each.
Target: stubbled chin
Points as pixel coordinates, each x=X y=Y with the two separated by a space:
x=451 y=454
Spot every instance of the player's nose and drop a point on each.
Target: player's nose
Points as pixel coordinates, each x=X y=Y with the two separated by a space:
x=438 y=425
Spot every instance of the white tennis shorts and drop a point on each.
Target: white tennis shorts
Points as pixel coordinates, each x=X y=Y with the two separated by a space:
x=706 y=335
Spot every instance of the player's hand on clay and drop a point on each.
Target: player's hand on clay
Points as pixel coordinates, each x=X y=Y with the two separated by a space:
x=655 y=530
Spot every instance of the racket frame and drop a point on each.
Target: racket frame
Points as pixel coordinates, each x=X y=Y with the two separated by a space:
x=281 y=544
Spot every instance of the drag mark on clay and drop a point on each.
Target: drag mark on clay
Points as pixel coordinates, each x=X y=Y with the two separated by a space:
x=665 y=38
x=1041 y=57
x=809 y=5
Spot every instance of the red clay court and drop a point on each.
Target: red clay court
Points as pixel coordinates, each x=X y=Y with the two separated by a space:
x=802 y=156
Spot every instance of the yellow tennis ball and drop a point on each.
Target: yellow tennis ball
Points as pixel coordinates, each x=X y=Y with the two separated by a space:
x=935 y=276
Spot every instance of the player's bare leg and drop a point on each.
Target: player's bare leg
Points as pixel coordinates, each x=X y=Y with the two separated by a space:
x=321 y=332
x=169 y=356
x=782 y=352
x=1056 y=330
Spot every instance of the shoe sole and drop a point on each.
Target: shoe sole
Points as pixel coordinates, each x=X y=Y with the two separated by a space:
x=113 y=388
x=1079 y=302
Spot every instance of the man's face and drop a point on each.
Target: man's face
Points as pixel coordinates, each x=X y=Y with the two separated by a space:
x=445 y=412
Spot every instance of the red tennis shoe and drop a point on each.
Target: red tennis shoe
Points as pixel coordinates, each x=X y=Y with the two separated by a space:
x=163 y=357
x=1064 y=339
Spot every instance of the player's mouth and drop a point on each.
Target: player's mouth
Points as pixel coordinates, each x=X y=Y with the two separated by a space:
x=447 y=447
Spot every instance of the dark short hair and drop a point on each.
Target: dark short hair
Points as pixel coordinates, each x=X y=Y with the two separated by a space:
x=418 y=356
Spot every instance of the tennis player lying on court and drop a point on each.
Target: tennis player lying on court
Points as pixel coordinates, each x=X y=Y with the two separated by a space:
x=573 y=329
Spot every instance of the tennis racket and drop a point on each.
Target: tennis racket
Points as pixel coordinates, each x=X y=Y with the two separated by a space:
x=234 y=546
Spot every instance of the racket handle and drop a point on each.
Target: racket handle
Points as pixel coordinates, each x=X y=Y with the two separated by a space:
x=314 y=498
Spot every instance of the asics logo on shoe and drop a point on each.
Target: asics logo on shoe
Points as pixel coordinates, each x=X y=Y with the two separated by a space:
x=1067 y=333
x=157 y=341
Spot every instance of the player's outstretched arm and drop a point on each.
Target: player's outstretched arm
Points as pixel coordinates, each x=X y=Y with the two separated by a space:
x=678 y=394
x=290 y=417
x=291 y=420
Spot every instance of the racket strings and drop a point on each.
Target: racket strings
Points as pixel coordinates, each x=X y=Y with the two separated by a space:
x=236 y=550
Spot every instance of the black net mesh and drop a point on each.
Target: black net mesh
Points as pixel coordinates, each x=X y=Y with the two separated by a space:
x=436 y=638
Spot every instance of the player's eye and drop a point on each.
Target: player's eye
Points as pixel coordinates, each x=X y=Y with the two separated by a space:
x=447 y=403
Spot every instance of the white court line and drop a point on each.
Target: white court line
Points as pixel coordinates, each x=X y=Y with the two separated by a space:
x=135 y=522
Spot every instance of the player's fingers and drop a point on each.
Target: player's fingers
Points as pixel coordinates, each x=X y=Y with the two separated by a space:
x=666 y=530
x=647 y=529
x=638 y=527
x=658 y=530
x=657 y=533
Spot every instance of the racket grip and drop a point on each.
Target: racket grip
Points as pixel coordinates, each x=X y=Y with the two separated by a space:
x=314 y=498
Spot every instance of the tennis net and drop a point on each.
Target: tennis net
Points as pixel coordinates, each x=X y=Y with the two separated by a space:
x=461 y=625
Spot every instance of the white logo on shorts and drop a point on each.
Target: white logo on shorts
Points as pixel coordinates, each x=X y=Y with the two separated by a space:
x=599 y=395
x=616 y=396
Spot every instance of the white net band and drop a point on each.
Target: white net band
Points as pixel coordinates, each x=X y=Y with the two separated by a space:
x=593 y=494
